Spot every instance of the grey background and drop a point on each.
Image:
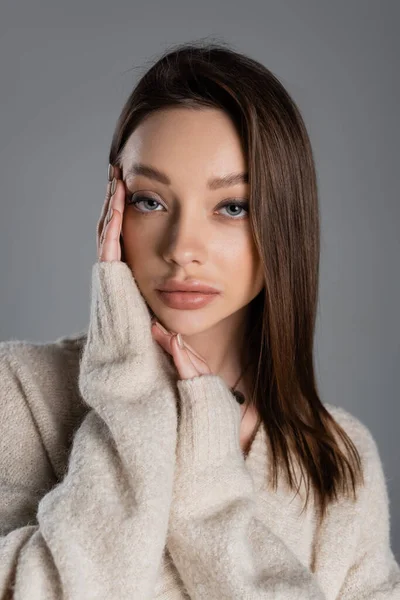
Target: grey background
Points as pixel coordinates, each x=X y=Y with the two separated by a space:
x=65 y=73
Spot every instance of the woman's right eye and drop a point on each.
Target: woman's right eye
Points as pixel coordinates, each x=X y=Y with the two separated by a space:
x=138 y=199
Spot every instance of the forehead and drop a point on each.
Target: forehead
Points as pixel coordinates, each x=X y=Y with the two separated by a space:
x=202 y=142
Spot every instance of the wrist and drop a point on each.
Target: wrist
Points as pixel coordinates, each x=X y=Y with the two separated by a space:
x=209 y=426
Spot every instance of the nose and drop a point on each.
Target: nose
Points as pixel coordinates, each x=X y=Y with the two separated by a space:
x=188 y=240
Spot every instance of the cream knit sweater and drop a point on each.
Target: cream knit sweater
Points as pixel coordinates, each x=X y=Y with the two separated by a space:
x=119 y=481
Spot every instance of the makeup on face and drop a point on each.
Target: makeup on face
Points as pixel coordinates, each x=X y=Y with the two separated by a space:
x=186 y=300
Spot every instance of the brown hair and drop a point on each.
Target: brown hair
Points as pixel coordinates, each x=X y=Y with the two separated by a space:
x=284 y=216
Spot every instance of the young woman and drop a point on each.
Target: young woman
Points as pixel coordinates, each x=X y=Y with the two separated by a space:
x=136 y=467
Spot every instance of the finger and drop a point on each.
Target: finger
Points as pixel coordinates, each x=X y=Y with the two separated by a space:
x=184 y=362
x=117 y=201
x=117 y=172
x=166 y=341
x=194 y=352
x=104 y=211
x=171 y=333
x=110 y=248
x=112 y=171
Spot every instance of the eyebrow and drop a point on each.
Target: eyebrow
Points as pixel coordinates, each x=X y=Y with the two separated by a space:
x=213 y=184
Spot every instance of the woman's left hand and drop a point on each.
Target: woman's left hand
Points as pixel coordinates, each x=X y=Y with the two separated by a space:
x=188 y=363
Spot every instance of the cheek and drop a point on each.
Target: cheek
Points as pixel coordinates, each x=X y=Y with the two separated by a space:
x=137 y=247
x=245 y=272
x=239 y=259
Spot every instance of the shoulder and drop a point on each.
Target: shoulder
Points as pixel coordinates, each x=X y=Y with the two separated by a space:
x=372 y=511
x=63 y=352
x=362 y=438
x=42 y=378
x=358 y=431
x=49 y=369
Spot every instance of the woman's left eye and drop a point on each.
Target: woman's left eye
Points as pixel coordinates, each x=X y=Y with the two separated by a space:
x=242 y=206
x=238 y=205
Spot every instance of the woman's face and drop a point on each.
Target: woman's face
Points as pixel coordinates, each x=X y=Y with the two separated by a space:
x=183 y=230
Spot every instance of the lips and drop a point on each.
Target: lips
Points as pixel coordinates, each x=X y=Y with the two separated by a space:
x=194 y=285
x=186 y=300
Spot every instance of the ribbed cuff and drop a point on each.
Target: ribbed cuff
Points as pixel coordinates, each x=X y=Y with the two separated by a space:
x=120 y=355
x=119 y=316
x=209 y=426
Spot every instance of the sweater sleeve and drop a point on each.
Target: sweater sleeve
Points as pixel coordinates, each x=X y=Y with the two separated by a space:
x=100 y=532
x=220 y=548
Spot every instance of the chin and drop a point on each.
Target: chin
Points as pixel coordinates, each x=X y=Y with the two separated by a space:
x=187 y=323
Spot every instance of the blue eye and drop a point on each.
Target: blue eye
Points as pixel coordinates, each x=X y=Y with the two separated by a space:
x=140 y=199
x=237 y=204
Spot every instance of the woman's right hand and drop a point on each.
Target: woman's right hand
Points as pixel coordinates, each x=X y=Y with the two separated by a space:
x=120 y=352
x=110 y=223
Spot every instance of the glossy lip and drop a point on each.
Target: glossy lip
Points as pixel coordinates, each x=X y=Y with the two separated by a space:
x=190 y=285
x=186 y=300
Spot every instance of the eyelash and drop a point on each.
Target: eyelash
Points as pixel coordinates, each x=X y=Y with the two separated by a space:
x=243 y=205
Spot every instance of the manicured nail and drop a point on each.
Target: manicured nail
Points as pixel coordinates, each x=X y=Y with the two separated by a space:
x=110 y=172
x=180 y=340
x=161 y=328
x=113 y=186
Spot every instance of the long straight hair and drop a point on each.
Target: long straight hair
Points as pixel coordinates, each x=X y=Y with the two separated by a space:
x=284 y=217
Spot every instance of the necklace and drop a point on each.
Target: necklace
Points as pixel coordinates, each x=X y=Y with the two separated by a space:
x=240 y=398
x=238 y=395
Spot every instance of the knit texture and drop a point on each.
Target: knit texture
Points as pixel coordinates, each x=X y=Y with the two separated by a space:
x=120 y=481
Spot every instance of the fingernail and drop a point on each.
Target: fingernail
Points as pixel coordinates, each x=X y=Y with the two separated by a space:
x=180 y=340
x=110 y=172
x=160 y=327
x=113 y=186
